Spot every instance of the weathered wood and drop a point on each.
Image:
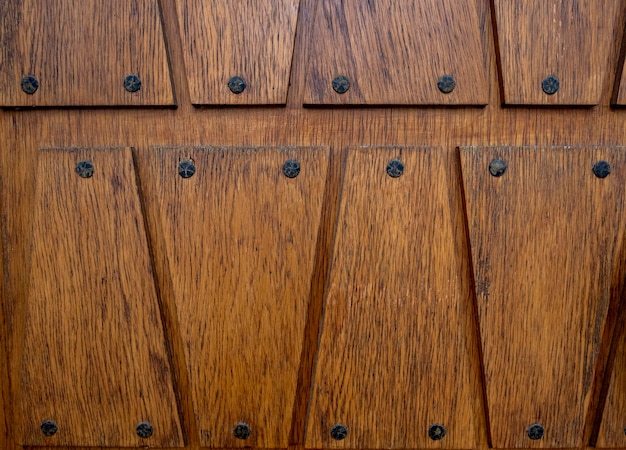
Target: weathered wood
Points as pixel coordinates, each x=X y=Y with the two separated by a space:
x=395 y=52
x=80 y=52
x=240 y=239
x=393 y=357
x=571 y=40
x=251 y=39
x=543 y=238
x=94 y=357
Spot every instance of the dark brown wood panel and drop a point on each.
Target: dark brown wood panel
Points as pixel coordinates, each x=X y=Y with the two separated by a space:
x=394 y=359
x=250 y=39
x=94 y=356
x=241 y=240
x=81 y=51
x=543 y=236
x=621 y=91
x=569 y=40
x=396 y=53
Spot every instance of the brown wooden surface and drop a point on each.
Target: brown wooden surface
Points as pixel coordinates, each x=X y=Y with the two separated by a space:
x=621 y=87
x=241 y=240
x=252 y=39
x=94 y=355
x=395 y=52
x=543 y=237
x=569 y=39
x=394 y=355
x=80 y=51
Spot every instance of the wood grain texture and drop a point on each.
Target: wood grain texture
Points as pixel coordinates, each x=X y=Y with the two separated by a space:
x=395 y=52
x=80 y=51
x=569 y=39
x=240 y=239
x=252 y=39
x=620 y=98
x=94 y=355
x=393 y=357
x=543 y=239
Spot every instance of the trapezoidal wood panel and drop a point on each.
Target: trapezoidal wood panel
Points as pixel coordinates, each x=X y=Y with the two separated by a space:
x=555 y=52
x=621 y=90
x=394 y=366
x=238 y=52
x=240 y=238
x=53 y=56
x=94 y=363
x=544 y=233
x=403 y=53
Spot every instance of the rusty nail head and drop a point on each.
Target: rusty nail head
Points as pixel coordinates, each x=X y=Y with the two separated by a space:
x=446 y=84
x=550 y=84
x=84 y=169
x=237 y=85
x=535 y=431
x=132 y=83
x=601 y=169
x=395 y=168
x=339 y=432
x=186 y=168
x=30 y=84
x=242 y=430
x=436 y=432
x=497 y=167
x=49 y=427
x=291 y=168
x=144 y=430
x=341 y=84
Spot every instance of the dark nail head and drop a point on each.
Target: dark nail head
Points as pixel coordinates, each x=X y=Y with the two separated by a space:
x=446 y=84
x=132 y=83
x=237 y=85
x=395 y=168
x=49 y=427
x=291 y=168
x=242 y=431
x=186 y=169
x=84 y=169
x=436 y=432
x=601 y=169
x=339 y=432
x=497 y=167
x=535 y=432
x=341 y=84
x=30 y=84
x=144 y=430
x=550 y=85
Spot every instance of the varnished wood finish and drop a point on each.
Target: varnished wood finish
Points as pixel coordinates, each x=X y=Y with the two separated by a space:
x=395 y=52
x=241 y=239
x=393 y=354
x=568 y=39
x=542 y=260
x=80 y=51
x=94 y=358
x=252 y=39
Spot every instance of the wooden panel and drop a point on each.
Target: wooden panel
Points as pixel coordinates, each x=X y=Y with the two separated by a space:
x=79 y=62
x=395 y=52
x=240 y=238
x=621 y=92
x=94 y=358
x=572 y=40
x=393 y=357
x=543 y=240
x=251 y=39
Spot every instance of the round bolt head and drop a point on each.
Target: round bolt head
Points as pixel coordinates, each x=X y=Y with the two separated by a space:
x=144 y=430
x=601 y=169
x=291 y=168
x=535 y=431
x=436 y=431
x=186 y=169
x=237 y=85
x=446 y=84
x=132 y=83
x=395 y=168
x=550 y=85
x=84 y=169
x=29 y=84
x=339 y=432
x=497 y=167
x=341 y=84
x=49 y=427
x=242 y=431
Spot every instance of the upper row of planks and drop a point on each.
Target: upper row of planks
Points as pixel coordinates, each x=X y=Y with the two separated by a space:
x=379 y=52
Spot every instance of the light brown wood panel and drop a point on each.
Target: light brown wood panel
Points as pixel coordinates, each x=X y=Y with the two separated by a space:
x=251 y=39
x=571 y=40
x=621 y=89
x=395 y=52
x=543 y=239
x=394 y=356
x=94 y=356
x=81 y=51
x=240 y=239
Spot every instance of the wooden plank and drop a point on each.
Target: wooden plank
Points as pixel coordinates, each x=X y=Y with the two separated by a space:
x=240 y=238
x=251 y=39
x=571 y=40
x=395 y=52
x=543 y=239
x=79 y=62
x=621 y=90
x=393 y=357
x=94 y=358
